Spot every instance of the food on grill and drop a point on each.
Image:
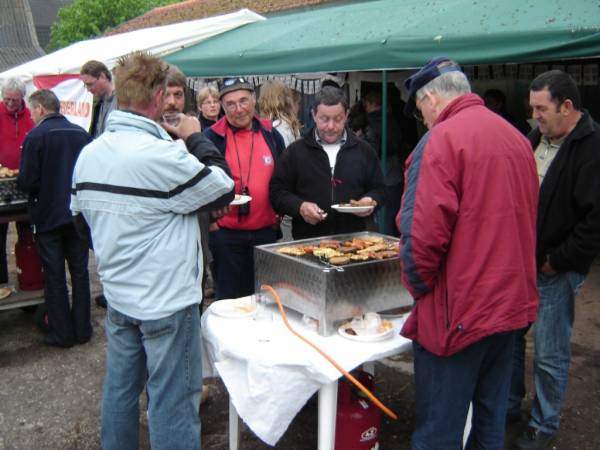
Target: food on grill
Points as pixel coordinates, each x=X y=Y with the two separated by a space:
x=326 y=252
x=383 y=254
x=330 y=243
x=291 y=250
x=373 y=249
x=340 y=253
x=339 y=260
x=373 y=239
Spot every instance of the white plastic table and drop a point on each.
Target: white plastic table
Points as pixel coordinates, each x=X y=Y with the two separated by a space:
x=269 y=382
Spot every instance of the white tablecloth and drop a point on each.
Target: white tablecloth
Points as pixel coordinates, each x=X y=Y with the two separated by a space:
x=269 y=382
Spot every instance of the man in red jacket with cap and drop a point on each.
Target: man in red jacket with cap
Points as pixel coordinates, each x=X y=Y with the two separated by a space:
x=467 y=224
x=15 y=123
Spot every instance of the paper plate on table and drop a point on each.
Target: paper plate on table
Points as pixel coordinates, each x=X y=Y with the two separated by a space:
x=240 y=200
x=343 y=331
x=233 y=308
x=352 y=209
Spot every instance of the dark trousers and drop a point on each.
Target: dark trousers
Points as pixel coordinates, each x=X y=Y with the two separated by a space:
x=233 y=259
x=3 y=259
x=67 y=323
x=446 y=385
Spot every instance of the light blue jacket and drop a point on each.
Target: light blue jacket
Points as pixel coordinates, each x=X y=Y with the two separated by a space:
x=137 y=190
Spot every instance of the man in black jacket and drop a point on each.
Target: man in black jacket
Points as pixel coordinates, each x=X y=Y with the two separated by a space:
x=329 y=165
x=49 y=154
x=567 y=153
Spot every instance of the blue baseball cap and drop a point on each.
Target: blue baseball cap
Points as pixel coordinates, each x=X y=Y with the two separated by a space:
x=428 y=72
x=235 y=84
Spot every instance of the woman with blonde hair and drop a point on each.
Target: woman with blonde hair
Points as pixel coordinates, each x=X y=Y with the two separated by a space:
x=209 y=107
x=276 y=102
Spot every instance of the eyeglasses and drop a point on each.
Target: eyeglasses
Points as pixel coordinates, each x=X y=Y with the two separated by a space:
x=210 y=102
x=232 y=106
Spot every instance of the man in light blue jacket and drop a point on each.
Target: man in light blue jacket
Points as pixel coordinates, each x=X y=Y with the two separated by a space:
x=137 y=190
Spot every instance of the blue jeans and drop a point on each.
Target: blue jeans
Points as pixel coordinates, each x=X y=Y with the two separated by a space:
x=67 y=322
x=552 y=356
x=445 y=385
x=168 y=352
x=233 y=259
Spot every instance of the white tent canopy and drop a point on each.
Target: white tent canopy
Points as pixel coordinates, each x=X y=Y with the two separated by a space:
x=157 y=40
x=59 y=71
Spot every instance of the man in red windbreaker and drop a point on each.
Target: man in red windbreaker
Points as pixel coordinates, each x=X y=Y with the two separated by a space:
x=467 y=225
x=15 y=123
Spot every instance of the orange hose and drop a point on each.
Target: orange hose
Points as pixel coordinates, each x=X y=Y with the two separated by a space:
x=353 y=380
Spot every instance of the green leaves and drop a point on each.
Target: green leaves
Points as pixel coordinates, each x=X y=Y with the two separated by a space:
x=84 y=19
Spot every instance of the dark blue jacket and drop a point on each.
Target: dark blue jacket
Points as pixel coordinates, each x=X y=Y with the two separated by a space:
x=49 y=154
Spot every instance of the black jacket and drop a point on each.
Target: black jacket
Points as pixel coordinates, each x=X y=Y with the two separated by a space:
x=50 y=151
x=207 y=153
x=568 y=223
x=303 y=174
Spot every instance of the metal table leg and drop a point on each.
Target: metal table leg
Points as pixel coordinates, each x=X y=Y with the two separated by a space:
x=234 y=427
x=327 y=415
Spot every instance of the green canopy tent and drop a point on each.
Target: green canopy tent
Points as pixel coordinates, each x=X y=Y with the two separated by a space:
x=399 y=34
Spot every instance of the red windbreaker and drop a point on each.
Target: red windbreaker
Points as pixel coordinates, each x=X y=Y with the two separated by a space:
x=468 y=224
x=13 y=128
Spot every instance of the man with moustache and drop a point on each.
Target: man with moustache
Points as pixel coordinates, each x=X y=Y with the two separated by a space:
x=250 y=146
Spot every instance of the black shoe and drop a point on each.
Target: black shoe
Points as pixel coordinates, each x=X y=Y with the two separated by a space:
x=533 y=439
x=83 y=340
x=100 y=301
x=52 y=340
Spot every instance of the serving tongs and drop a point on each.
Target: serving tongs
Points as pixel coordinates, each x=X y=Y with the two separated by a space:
x=325 y=262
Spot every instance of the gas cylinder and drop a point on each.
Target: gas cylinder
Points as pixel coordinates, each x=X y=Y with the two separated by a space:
x=29 y=267
x=358 y=420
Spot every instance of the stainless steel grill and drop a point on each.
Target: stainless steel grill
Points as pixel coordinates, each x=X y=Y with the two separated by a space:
x=11 y=198
x=327 y=293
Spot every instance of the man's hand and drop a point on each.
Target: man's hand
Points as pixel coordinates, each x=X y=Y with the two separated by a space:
x=365 y=213
x=311 y=213
x=187 y=126
x=217 y=214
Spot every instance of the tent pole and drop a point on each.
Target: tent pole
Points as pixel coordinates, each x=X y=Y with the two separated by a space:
x=384 y=129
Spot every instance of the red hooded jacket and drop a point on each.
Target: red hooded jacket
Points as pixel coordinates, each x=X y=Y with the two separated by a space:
x=13 y=128
x=468 y=227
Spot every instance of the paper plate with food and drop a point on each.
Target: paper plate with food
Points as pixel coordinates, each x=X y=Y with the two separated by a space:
x=237 y=308
x=369 y=327
x=355 y=206
x=240 y=200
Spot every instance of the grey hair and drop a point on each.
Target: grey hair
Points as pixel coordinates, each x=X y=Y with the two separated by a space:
x=14 y=84
x=449 y=84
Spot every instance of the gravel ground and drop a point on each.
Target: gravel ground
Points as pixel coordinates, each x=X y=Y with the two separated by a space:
x=50 y=398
